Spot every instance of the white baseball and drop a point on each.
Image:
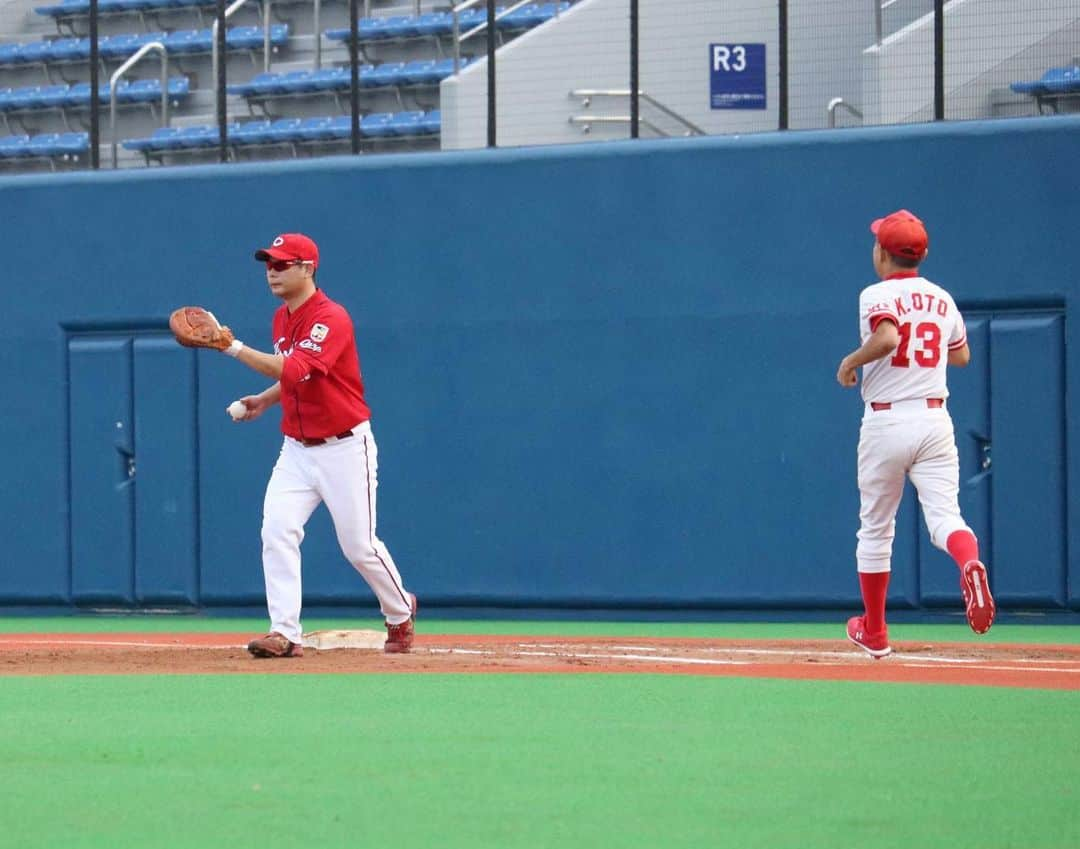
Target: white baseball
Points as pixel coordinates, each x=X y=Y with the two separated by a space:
x=237 y=410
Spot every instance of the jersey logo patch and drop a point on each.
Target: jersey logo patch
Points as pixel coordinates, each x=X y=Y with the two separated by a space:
x=310 y=346
x=319 y=332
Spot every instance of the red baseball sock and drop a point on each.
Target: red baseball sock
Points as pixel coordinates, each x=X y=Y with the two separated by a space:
x=874 y=586
x=963 y=547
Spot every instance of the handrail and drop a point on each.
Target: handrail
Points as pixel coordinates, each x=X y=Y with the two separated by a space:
x=837 y=102
x=613 y=119
x=587 y=93
x=119 y=72
x=468 y=4
x=214 y=58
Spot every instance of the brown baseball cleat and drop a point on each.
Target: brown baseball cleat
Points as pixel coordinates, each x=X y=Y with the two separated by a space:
x=275 y=645
x=399 y=638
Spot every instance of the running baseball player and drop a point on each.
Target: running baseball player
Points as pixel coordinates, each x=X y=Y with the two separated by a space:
x=328 y=454
x=911 y=330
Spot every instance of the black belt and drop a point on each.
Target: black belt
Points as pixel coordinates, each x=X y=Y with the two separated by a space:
x=323 y=441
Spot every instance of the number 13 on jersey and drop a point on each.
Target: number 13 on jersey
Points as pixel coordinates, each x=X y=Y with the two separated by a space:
x=927 y=353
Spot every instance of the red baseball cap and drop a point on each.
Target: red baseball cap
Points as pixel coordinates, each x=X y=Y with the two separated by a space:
x=901 y=234
x=290 y=246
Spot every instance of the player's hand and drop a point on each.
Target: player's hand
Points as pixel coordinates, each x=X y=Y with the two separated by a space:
x=847 y=375
x=256 y=406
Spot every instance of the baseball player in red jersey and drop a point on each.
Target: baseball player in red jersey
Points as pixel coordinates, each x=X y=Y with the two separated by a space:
x=911 y=330
x=328 y=454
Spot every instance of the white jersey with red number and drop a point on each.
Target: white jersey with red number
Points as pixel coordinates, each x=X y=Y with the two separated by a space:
x=930 y=326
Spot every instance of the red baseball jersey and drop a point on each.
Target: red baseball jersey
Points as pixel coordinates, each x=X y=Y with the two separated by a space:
x=322 y=392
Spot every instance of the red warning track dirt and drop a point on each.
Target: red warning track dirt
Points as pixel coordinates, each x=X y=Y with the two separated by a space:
x=1035 y=666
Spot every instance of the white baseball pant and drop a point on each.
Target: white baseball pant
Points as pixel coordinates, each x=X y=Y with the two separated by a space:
x=344 y=475
x=913 y=441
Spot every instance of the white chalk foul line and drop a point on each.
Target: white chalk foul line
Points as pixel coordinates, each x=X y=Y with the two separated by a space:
x=118 y=644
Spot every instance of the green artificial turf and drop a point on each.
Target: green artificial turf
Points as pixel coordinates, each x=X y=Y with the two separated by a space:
x=508 y=761
x=1001 y=633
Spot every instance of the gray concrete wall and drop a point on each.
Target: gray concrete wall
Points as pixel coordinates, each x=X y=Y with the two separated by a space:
x=988 y=44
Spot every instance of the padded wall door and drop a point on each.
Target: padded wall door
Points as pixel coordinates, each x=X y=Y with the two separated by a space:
x=102 y=447
x=166 y=527
x=133 y=452
x=1009 y=410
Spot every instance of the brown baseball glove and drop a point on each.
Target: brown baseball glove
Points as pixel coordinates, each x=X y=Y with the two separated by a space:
x=195 y=327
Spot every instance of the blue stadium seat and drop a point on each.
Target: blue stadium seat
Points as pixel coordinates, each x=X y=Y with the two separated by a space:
x=388 y=73
x=472 y=17
x=9 y=53
x=148 y=91
x=521 y=18
x=64 y=8
x=201 y=135
x=112 y=46
x=22 y=98
x=284 y=129
x=259 y=84
x=314 y=129
x=251 y=38
x=445 y=67
x=33 y=52
x=13 y=146
x=376 y=124
x=68 y=49
x=58 y=144
x=405 y=123
x=295 y=82
x=189 y=41
x=420 y=72
x=162 y=138
x=1054 y=81
x=341 y=126
x=252 y=132
x=434 y=23
x=431 y=123
x=329 y=79
x=51 y=96
x=399 y=26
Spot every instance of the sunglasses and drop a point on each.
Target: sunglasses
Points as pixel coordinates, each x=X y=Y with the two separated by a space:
x=283 y=264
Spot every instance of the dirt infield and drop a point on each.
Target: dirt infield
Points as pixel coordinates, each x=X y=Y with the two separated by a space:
x=1052 y=667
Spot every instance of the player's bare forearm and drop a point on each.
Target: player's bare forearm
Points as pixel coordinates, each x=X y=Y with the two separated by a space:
x=960 y=357
x=269 y=364
x=882 y=342
x=271 y=395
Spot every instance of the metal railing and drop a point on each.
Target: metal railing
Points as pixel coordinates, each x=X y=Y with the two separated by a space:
x=459 y=37
x=215 y=59
x=587 y=95
x=840 y=103
x=119 y=73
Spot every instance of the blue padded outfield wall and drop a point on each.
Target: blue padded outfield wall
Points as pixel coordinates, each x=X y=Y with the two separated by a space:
x=601 y=375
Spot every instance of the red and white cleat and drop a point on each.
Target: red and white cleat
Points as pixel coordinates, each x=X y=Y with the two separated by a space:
x=978 y=603
x=875 y=645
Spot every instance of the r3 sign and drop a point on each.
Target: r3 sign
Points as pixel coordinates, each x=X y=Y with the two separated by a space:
x=728 y=57
x=737 y=76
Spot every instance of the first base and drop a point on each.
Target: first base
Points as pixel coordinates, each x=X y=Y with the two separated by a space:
x=323 y=640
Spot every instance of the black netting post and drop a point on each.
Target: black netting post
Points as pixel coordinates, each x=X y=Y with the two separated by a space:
x=782 y=63
x=939 y=60
x=222 y=112
x=354 y=74
x=635 y=71
x=95 y=106
x=491 y=73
